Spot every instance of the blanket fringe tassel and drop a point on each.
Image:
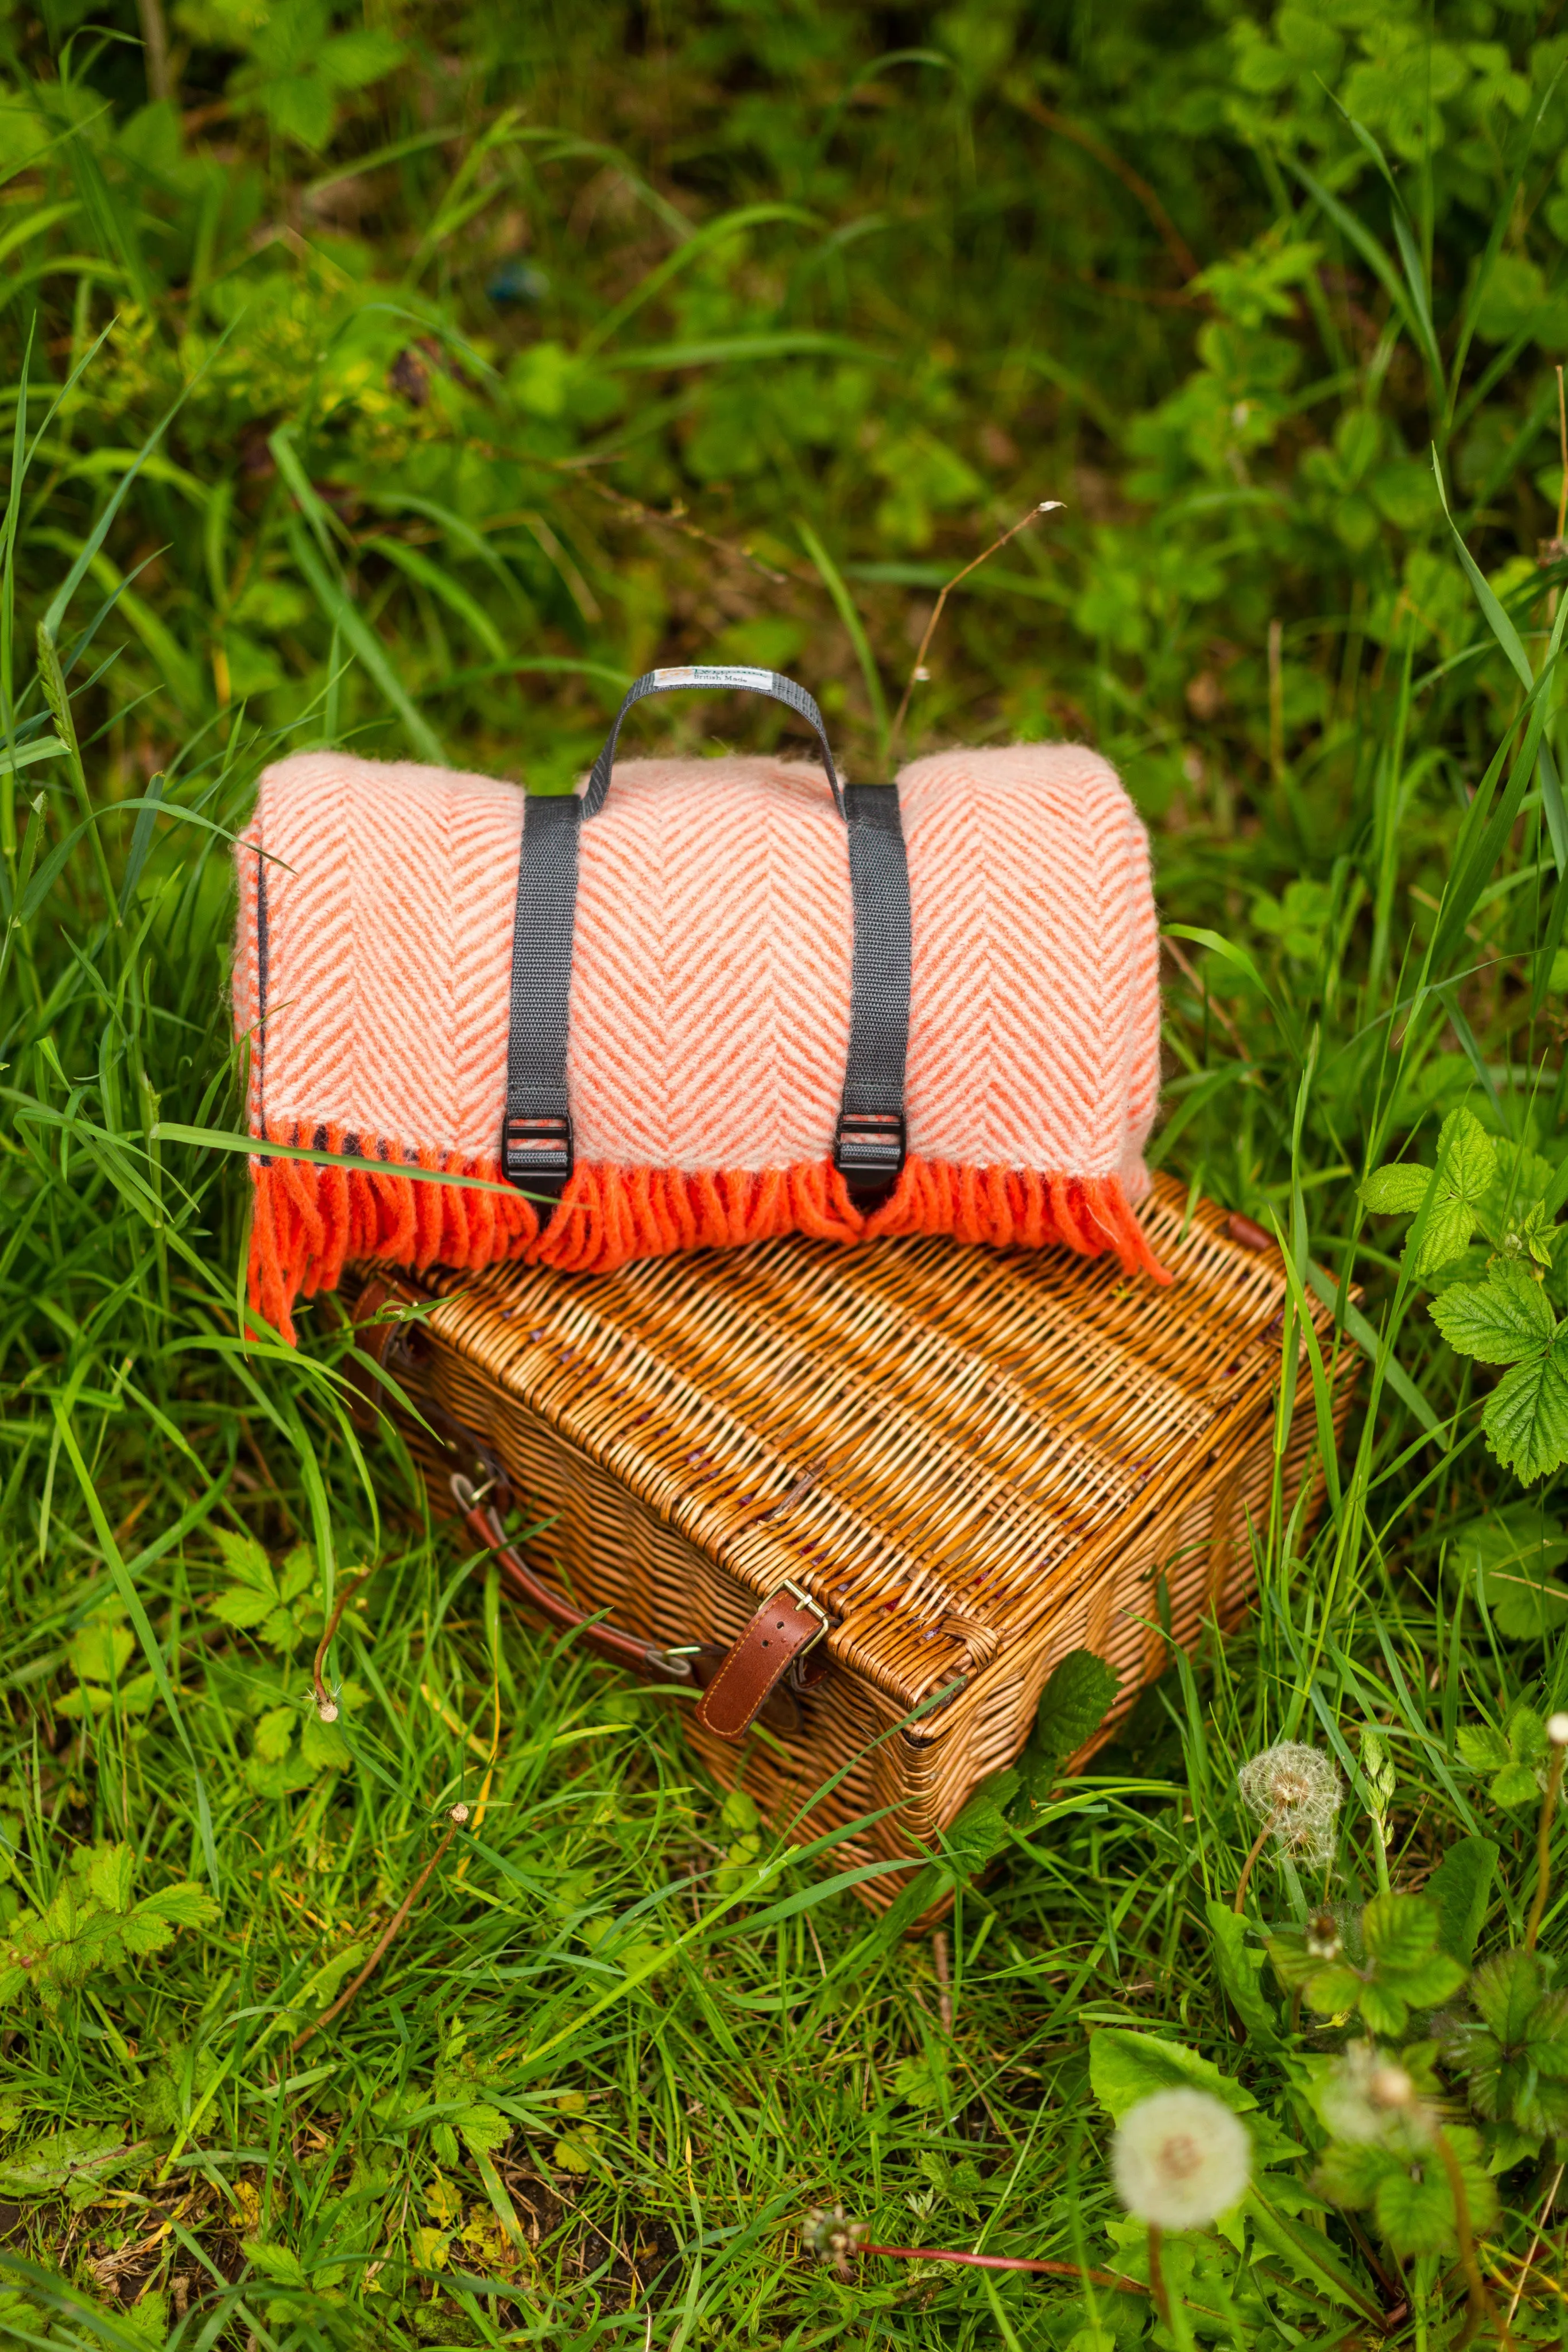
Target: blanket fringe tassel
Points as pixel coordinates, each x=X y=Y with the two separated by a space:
x=311 y=1220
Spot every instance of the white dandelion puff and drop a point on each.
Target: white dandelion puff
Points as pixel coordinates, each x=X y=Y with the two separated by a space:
x=1370 y=2098
x=1557 y=1730
x=1180 y=2159
x=1293 y=1790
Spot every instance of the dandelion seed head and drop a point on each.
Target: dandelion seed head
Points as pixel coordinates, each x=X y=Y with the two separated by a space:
x=1369 y=2098
x=1294 y=1790
x=1557 y=1730
x=326 y=1710
x=1179 y=2159
x=459 y=1815
x=1323 y=1941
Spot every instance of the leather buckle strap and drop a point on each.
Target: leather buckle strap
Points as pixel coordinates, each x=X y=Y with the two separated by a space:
x=773 y=1647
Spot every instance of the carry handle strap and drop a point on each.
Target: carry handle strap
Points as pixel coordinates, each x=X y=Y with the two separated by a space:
x=709 y=679
x=870 y=1140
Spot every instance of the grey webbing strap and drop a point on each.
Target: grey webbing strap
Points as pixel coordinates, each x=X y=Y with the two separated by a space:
x=713 y=680
x=536 y=1139
x=536 y=1151
x=871 y=1142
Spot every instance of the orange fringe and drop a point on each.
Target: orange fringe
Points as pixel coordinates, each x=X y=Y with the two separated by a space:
x=311 y=1220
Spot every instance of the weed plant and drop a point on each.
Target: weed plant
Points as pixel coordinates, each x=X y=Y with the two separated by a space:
x=409 y=380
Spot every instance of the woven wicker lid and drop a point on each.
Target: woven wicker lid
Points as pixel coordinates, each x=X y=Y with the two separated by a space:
x=938 y=1442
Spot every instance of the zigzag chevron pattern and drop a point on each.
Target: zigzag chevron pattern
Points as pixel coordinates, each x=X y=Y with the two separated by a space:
x=710 y=1001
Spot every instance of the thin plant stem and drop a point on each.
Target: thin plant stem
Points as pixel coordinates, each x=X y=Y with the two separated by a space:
x=1480 y=2301
x=1046 y=506
x=1256 y=1848
x=458 y=1815
x=326 y=1705
x=1110 y=2279
x=1544 y=1846
x=1158 y=2287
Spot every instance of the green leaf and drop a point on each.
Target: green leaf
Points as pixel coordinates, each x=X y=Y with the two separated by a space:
x=183 y=1905
x=483 y=2128
x=1352 y=2172
x=1505 y=1991
x=107 y=1873
x=1239 y=1964
x=1430 y=1982
x=1399 y=1929
x=1500 y=1320
x=273 y=1733
x=1460 y=1889
x=99 y=1653
x=1397 y=1190
x=1509 y=1554
x=1334 y=1990
x=1125 y=2066
x=298 y=1574
x=1483 y=1747
x=1076 y=1700
x=1516 y=1784
x=84 y=2154
x=244 y=1560
x=1526 y=1416
x=1415 y=2214
x=1384 y=2011
x=281 y=2264
x=241 y=1607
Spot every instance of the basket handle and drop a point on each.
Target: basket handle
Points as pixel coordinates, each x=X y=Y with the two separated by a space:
x=708 y=678
x=537 y=1149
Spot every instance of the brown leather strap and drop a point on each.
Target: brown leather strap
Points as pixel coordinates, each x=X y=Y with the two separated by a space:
x=773 y=1646
x=482 y=1522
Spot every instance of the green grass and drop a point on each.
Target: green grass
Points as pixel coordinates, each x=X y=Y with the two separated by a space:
x=410 y=381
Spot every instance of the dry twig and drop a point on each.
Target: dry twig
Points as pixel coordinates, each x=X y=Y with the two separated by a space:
x=919 y=672
x=454 y=1822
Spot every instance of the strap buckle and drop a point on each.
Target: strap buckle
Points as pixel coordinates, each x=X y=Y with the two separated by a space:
x=803 y=1600
x=536 y=1150
x=869 y=1150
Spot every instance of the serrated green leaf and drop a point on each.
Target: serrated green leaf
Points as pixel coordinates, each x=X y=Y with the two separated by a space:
x=241 y=1606
x=1429 y=1983
x=281 y=2264
x=1516 y=1784
x=244 y=1560
x=1125 y=2066
x=1467 y=1156
x=298 y=1574
x=1460 y=1889
x=1397 y=1191
x=99 y=1653
x=108 y=1873
x=273 y=1732
x=1483 y=1747
x=87 y=2152
x=1352 y=2172
x=1239 y=1964
x=1526 y=1733
x=1414 y=2212
x=183 y=1905
x=1334 y=1990
x=1399 y=1929
x=1505 y=1991
x=1445 y=1234
x=1499 y=1322
x=1076 y=1700
x=322 y=1745
x=1526 y=1416
x=483 y=2128
x=1384 y=2011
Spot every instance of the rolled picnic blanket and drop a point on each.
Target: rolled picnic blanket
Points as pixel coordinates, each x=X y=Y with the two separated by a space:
x=668 y=1016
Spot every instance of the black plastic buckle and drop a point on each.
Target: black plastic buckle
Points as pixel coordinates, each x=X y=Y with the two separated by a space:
x=869 y=1151
x=536 y=1151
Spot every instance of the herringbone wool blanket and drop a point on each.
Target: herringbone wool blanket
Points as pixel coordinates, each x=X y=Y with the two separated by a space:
x=710 y=1008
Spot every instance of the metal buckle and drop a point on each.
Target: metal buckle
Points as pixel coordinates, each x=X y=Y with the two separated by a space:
x=537 y=1148
x=804 y=1601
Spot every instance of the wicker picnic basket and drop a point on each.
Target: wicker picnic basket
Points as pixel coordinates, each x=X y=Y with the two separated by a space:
x=937 y=1469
